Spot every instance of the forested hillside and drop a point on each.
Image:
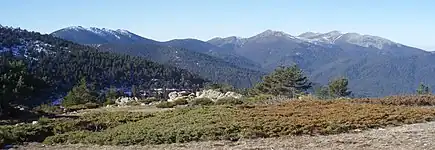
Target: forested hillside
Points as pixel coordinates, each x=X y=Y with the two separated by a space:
x=61 y=64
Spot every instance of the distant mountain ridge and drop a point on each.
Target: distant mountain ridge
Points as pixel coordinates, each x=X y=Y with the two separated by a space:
x=375 y=66
x=208 y=60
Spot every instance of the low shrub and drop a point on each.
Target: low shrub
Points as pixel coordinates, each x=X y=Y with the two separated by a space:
x=83 y=106
x=257 y=121
x=149 y=100
x=229 y=101
x=258 y=98
x=48 y=109
x=133 y=103
x=201 y=101
x=90 y=122
x=409 y=100
x=109 y=102
x=165 y=105
x=181 y=101
x=11 y=134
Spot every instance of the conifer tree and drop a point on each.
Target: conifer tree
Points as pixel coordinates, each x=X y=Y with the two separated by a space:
x=287 y=81
x=338 y=87
x=423 y=89
x=80 y=94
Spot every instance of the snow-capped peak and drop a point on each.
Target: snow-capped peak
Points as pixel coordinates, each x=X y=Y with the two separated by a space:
x=124 y=32
x=271 y=33
x=77 y=28
x=352 y=38
x=102 y=31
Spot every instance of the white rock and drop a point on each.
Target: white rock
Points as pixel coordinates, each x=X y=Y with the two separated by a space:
x=215 y=95
x=143 y=104
x=34 y=122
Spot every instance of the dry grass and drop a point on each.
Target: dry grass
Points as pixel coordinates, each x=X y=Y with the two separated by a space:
x=409 y=100
x=250 y=121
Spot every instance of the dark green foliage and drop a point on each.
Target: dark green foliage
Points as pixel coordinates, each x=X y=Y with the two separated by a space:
x=423 y=89
x=80 y=94
x=287 y=81
x=17 y=86
x=338 y=87
x=111 y=96
x=322 y=92
x=220 y=87
x=166 y=105
x=201 y=101
x=229 y=101
x=11 y=134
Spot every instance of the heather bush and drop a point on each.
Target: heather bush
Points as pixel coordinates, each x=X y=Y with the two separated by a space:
x=256 y=121
x=229 y=101
x=201 y=101
x=166 y=105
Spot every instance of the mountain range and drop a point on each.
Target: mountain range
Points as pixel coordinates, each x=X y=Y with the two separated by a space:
x=374 y=65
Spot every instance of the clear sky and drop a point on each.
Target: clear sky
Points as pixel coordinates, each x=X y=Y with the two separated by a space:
x=410 y=22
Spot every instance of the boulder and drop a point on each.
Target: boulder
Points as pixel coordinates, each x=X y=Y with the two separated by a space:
x=125 y=100
x=215 y=95
x=173 y=95
x=176 y=95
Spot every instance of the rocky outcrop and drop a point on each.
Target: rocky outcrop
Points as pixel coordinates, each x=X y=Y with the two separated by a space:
x=173 y=96
x=216 y=95
x=211 y=94
x=125 y=100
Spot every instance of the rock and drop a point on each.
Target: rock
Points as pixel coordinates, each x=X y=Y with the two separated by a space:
x=176 y=95
x=211 y=94
x=18 y=124
x=172 y=96
x=125 y=100
x=143 y=104
x=215 y=95
x=183 y=93
x=34 y=122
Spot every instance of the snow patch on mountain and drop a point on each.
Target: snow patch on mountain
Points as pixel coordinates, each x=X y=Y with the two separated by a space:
x=103 y=31
x=334 y=37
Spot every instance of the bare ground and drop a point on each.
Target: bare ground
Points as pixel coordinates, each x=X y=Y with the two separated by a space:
x=407 y=137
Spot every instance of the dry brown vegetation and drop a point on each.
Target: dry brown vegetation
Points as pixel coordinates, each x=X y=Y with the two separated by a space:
x=406 y=100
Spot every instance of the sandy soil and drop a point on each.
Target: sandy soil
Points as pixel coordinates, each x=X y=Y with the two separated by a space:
x=407 y=137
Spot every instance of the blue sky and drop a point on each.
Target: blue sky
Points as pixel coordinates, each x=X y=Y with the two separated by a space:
x=410 y=22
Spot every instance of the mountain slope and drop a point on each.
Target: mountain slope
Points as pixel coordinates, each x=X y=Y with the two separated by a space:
x=203 y=47
x=199 y=57
x=62 y=63
x=94 y=35
x=375 y=66
x=207 y=66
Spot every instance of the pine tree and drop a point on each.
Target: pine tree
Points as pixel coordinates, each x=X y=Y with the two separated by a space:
x=287 y=81
x=80 y=94
x=111 y=95
x=322 y=92
x=17 y=86
x=338 y=87
x=423 y=89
